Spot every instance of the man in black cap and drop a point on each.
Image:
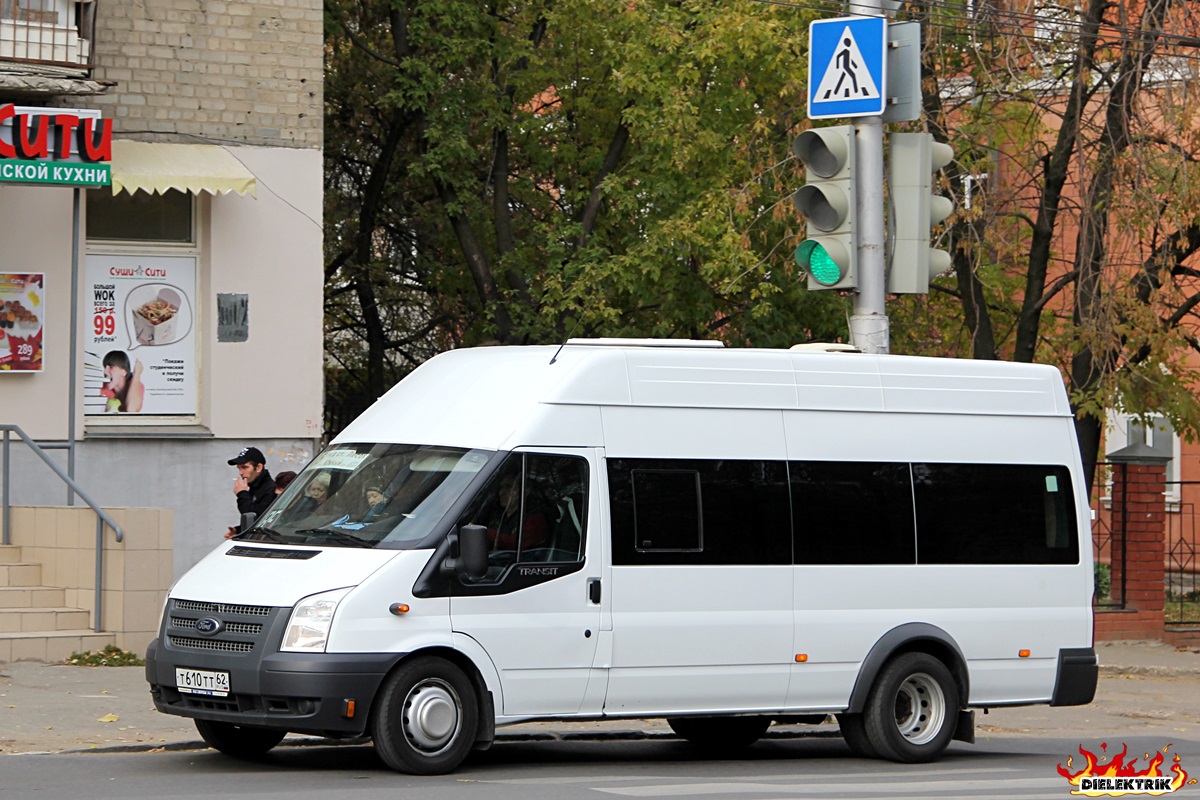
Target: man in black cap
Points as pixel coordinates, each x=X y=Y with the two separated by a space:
x=254 y=487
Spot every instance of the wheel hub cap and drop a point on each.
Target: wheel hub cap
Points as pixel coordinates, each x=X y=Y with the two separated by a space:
x=431 y=716
x=920 y=709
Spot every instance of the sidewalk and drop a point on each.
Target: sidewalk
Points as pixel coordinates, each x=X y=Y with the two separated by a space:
x=55 y=708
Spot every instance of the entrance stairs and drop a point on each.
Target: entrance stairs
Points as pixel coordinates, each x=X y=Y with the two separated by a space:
x=35 y=622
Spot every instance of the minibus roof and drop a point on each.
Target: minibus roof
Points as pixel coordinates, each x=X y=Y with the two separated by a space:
x=485 y=396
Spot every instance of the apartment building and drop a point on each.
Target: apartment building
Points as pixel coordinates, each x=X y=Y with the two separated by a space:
x=160 y=208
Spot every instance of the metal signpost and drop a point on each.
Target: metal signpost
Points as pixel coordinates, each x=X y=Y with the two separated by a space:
x=867 y=68
x=847 y=70
x=848 y=78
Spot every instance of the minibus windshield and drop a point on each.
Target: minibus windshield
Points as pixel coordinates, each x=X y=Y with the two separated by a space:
x=390 y=496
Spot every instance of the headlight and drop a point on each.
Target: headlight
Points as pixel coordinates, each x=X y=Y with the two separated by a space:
x=308 y=629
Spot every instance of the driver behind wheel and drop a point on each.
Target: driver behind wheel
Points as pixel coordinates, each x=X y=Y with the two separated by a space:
x=502 y=518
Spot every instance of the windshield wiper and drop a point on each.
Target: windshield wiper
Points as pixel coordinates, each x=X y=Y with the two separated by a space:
x=339 y=536
x=267 y=534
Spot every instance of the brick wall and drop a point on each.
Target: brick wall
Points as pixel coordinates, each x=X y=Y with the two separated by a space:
x=1138 y=516
x=246 y=72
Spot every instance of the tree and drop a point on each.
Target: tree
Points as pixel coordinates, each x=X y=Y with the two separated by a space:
x=1076 y=254
x=524 y=172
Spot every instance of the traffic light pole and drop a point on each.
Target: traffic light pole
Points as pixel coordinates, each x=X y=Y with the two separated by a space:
x=869 y=330
x=869 y=323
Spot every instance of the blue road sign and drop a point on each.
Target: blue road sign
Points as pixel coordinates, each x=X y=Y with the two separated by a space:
x=847 y=68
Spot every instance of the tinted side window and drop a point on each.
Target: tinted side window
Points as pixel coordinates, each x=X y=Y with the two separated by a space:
x=689 y=511
x=534 y=509
x=995 y=514
x=852 y=512
x=666 y=510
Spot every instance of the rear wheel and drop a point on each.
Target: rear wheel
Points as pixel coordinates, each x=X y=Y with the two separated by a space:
x=912 y=709
x=426 y=718
x=238 y=741
x=720 y=733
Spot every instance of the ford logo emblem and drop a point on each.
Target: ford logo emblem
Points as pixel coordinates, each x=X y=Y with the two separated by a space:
x=209 y=626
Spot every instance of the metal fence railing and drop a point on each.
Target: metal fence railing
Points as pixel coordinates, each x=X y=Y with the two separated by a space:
x=1181 y=605
x=102 y=518
x=1108 y=545
x=57 y=34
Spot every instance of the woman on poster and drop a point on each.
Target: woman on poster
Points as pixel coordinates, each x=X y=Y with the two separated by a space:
x=124 y=388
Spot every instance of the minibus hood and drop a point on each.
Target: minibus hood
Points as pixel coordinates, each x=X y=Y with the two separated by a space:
x=273 y=575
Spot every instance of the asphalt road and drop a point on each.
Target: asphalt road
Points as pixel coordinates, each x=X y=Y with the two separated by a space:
x=1008 y=768
x=100 y=738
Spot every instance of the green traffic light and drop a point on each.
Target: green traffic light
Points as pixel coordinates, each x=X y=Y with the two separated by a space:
x=815 y=259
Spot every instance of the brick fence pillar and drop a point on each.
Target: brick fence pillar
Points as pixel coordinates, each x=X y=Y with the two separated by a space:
x=1139 y=522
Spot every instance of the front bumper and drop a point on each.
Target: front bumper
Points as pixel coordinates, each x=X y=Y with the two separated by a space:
x=295 y=692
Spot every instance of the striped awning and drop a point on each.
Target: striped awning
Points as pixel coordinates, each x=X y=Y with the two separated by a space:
x=155 y=167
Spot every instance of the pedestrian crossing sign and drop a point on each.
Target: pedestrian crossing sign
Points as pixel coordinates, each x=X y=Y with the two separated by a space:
x=847 y=67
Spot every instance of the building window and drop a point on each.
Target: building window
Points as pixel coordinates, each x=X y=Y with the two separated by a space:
x=1053 y=25
x=140 y=217
x=139 y=333
x=1122 y=430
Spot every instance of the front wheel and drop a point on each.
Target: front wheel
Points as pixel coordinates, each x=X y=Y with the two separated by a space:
x=238 y=741
x=720 y=733
x=426 y=718
x=912 y=709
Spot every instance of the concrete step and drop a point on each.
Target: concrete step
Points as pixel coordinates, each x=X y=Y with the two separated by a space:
x=10 y=554
x=32 y=597
x=51 y=646
x=20 y=574
x=13 y=620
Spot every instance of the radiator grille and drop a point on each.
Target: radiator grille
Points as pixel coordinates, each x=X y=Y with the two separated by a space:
x=188 y=643
x=222 y=608
x=241 y=628
x=247 y=628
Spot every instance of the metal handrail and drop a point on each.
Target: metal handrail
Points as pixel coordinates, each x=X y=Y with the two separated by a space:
x=102 y=518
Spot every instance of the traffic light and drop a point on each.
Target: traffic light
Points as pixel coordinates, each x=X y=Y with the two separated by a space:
x=827 y=202
x=912 y=160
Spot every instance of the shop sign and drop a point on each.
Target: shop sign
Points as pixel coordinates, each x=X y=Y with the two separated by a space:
x=139 y=336
x=57 y=146
x=22 y=303
x=55 y=174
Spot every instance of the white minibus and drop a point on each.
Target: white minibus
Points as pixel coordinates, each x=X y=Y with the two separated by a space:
x=724 y=538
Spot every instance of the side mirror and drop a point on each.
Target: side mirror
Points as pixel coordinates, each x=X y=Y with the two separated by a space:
x=472 y=552
x=247 y=520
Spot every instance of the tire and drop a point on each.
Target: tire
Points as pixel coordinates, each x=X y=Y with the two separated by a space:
x=854 y=731
x=912 y=709
x=720 y=733
x=239 y=741
x=426 y=717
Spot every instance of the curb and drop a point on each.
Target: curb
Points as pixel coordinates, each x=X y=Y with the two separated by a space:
x=1150 y=671
x=588 y=736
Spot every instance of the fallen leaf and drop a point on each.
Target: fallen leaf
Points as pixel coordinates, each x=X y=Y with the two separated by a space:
x=108 y=718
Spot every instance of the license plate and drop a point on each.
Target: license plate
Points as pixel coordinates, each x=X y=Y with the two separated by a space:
x=202 y=681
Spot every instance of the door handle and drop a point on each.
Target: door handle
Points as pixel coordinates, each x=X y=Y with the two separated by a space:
x=594 y=590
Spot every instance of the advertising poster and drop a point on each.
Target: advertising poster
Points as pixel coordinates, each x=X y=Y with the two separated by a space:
x=22 y=296
x=139 y=335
